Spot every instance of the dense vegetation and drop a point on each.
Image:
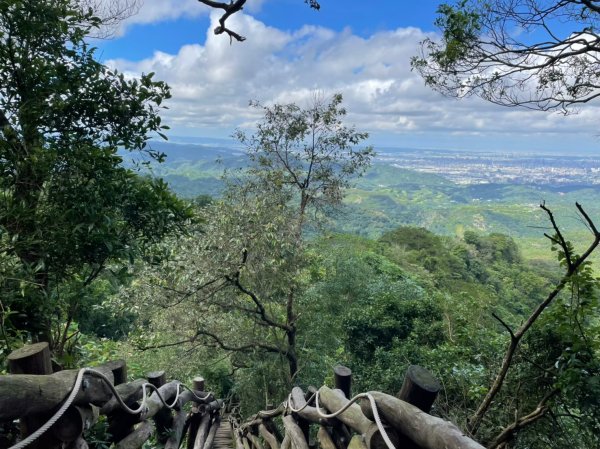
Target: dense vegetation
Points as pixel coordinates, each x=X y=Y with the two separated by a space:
x=269 y=278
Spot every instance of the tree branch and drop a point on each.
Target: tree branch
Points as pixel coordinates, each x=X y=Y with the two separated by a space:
x=218 y=341
x=560 y=240
x=476 y=419
x=506 y=326
x=230 y=8
x=235 y=6
x=245 y=348
x=260 y=308
x=510 y=431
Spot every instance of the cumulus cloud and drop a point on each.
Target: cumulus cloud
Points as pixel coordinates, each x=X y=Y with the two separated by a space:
x=122 y=14
x=213 y=83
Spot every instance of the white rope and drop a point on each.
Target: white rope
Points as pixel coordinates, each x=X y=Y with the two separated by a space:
x=290 y=401
x=372 y=402
x=209 y=394
x=142 y=409
x=35 y=435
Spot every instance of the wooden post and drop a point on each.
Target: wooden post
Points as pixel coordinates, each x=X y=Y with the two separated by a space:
x=296 y=435
x=178 y=429
x=341 y=435
x=74 y=422
x=157 y=378
x=198 y=384
x=305 y=427
x=271 y=427
x=138 y=437
x=254 y=440
x=343 y=379
x=30 y=359
x=210 y=439
x=119 y=370
x=420 y=388
x=202 y=433
x=354 y=418
x=163 y=419
x=24 y=395
x=310 y=394
x=307 y=412
x=357 y=443
x=129 y=392
x=120 y=423
x=325 y=440
x=34 y=359
x=269 y=438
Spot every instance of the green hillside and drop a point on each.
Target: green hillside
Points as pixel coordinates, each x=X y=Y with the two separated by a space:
x=387 y=197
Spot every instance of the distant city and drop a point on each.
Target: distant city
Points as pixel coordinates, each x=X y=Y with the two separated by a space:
x=497 y=168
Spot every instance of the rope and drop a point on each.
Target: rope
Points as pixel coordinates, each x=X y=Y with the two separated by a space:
x=35 y=435
x=194 y=394
x=142 y=409
x=372 y=402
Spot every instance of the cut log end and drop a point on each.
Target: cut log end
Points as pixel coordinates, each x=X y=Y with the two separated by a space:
x=420 y=388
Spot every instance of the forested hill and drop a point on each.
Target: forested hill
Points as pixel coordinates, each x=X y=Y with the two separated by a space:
x=388 y=196
x=262 y=264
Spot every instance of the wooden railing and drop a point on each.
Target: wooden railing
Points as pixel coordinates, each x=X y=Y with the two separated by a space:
x=372 y=420
x=61 y=406
x=71 y=401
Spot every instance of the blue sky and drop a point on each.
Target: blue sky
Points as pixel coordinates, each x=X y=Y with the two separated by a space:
x=361 y=49
x=141 y=40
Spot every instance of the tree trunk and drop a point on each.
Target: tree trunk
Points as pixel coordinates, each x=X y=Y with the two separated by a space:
x=291 y=336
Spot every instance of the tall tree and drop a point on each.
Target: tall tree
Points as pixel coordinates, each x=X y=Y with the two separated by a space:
x=68 y=206
x=247 y=265
x=538 y=54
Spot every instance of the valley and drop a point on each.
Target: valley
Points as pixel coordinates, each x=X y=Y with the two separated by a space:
x=447 y=192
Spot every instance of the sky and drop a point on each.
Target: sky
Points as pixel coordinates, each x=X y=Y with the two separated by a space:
x=358 y=48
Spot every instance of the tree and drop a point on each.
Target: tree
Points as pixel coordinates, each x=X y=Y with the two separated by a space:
x=577 y=275
x=247 y=263
x=111 y=14
x=235 y=6
x=68 y=205
x=516 y=53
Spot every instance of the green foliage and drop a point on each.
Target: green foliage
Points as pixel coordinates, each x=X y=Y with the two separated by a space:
x=480 y=53
x=69 y=207
x=461 y=27
x=307 y=151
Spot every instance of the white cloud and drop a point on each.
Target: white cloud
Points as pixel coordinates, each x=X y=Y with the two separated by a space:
x=132 y=12
x=212 y=83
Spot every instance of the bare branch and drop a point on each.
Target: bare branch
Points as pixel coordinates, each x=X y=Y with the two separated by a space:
x=560 y=240
x=112 y=14
x=235 y=6
x=476 y=419
x=510 y=431
x=230 y=8
x=260 y=308
x=250 y=347
x=506 y=326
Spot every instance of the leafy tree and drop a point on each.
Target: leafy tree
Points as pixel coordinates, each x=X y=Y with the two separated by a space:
x=538 y=54
x=247 y=265
x=577 y=275
x=68 y=206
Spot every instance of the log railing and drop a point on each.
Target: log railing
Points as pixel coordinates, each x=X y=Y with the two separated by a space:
x=69 y=402
x=370 y=420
